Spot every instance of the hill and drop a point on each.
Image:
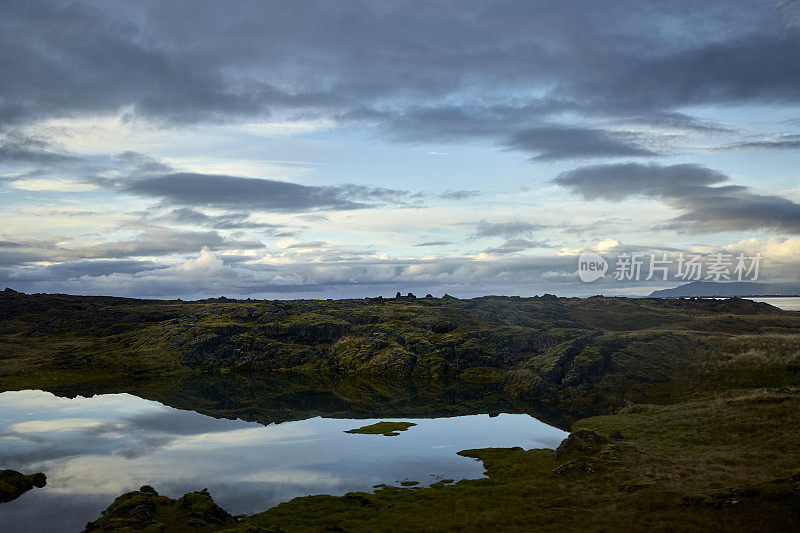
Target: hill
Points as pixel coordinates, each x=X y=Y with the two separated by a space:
x=711 y=289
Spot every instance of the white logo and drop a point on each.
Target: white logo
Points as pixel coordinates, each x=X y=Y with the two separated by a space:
x=591 y=266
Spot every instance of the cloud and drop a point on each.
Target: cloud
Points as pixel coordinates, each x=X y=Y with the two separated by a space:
x=207 y=265
x=257 y=194
x=51 y=185
x=512 y=246
x=428 y=71
x=433 y=243
x=599 y=79
x=619 y=181
x=97 y=61
x=57 y=425
x=722 y=71
x=459 y=195
x=142 y=163
x=505 y=229
x=16 y=252
x=449 y=122
x=150 y=241
x=672 y=120
x=75 y=269
x=158 y=241
x=687 y=188
x=234 y=220
x=561 y=142
x=498 y=273
x=777 y=142
x=17 y=147
x=307 y=245
x=776 y=249
x=204 y=276
x=735 y=208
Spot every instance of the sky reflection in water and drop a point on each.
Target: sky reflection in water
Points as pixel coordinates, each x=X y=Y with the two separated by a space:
x=94 y=449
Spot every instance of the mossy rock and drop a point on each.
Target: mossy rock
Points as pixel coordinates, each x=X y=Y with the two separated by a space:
x=580 y=444
x=146 y=511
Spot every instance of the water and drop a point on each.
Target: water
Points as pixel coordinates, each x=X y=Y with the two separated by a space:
x=787 y=303
x=94 y=449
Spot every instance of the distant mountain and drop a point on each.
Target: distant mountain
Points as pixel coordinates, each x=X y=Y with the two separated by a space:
x=728 y=288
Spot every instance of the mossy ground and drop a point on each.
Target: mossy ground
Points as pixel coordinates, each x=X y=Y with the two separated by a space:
x=388 y=429
x=689 y=410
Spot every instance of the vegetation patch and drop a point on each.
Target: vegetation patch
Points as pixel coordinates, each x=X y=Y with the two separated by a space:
x=387 y=429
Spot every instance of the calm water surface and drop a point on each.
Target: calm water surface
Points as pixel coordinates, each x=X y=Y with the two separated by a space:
x=787 y=303
x=94 y=449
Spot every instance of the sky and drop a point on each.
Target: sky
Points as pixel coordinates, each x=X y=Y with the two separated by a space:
x=350 y=149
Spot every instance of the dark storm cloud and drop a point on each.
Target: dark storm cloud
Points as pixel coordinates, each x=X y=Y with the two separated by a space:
x=93 y=60
x=617 y=182
x=559 y=142
x=506 y=230
x=690 y=189
x=258 y=194
x=415 y=68
x=735 y=208
x=757 y=67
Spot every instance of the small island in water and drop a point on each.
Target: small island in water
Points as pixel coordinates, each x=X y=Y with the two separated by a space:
x=681 y=414
x=387 y=429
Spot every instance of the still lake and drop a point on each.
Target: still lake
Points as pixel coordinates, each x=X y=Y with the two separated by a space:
x=94 y=449
x=787 y=303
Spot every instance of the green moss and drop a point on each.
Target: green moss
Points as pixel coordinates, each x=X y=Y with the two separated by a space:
x=388 y=429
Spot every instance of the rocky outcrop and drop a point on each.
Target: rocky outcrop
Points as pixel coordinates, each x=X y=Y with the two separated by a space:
x=580 y=444
x=146 y=510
